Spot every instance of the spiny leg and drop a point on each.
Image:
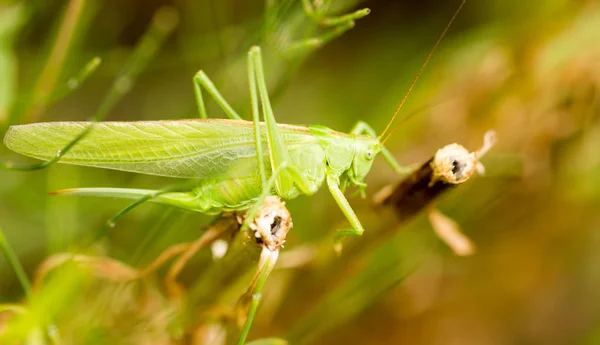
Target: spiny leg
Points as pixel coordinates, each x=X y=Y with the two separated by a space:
x=180 y=187
x=140 y=196
x=363 y=128
x=278 y=152
x=163 y=23
x=202 y=80
x=112 y=221
x=256 y=120
x=334 y=187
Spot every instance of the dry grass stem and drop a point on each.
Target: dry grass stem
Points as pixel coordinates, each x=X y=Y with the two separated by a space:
x=451 y=165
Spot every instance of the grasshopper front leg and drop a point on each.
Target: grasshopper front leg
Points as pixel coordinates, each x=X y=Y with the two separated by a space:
x=333 y=183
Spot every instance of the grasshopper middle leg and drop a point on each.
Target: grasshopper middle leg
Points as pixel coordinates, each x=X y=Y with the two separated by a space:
x=201 y=80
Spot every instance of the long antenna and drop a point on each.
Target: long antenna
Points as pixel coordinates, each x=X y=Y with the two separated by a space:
x=418 y=75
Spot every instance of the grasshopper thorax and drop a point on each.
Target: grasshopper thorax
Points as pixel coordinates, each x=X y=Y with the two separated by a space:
x=348 y=156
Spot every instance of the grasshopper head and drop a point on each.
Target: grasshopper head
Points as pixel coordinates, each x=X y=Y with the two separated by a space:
x=366 y=150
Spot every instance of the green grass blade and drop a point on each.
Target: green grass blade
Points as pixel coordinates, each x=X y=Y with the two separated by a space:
x=14 y=263
x=268 y=341
x=52 y=68
x=75 y=82
x=12 y=19
x=162 y=25
x=268 y=265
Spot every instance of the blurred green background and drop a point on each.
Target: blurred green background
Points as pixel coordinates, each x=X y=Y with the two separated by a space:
x=529 y=70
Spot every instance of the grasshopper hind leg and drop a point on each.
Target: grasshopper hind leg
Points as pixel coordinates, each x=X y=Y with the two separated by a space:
x=290 y=176
x=111 y=223
x=177 y=195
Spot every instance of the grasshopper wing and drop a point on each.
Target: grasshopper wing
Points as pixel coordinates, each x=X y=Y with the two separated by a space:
x=181 y=148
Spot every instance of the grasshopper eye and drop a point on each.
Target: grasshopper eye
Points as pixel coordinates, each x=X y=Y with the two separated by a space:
x=369 y=154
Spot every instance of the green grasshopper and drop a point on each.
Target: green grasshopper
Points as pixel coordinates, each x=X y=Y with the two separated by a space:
x=234 y=164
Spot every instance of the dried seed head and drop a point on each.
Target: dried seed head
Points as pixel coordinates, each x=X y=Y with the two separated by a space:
x=272 y=223
x=453 y=164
